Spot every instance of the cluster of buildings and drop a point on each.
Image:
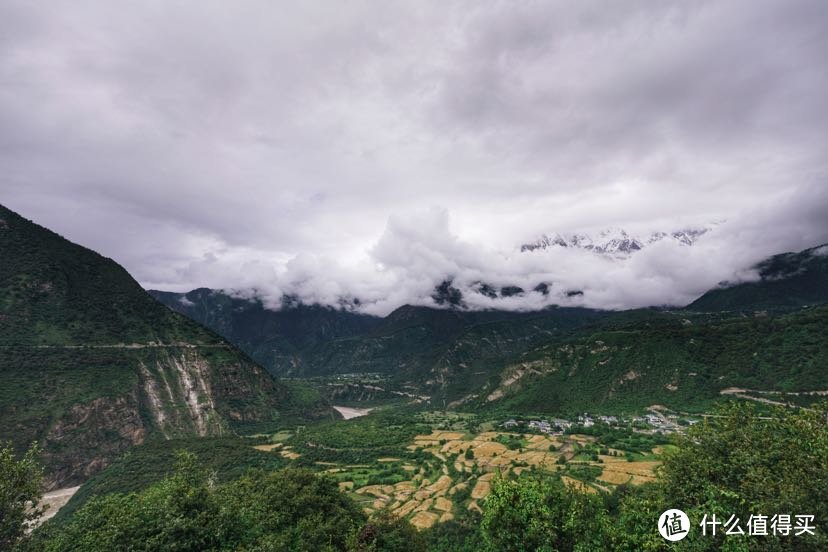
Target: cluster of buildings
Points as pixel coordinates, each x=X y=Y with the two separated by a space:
x=649 y=419
x=556 y=426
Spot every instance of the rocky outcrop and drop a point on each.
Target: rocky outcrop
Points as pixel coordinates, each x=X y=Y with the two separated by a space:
x=87 y=437
x=92 y=365
x=178 y=392
x=512 y=375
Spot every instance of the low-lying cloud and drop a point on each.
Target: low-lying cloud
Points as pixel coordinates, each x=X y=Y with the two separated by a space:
x=418 y=252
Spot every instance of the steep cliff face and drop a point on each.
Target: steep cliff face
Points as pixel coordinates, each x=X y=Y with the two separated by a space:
x=206 y=392
x=174 y=392
x=91 y=365
x=179 y=395
x=89 y=436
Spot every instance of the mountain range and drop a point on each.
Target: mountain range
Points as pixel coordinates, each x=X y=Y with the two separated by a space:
x=614 y=242
x=91 y=365
x=463 y=357
x=787 y=280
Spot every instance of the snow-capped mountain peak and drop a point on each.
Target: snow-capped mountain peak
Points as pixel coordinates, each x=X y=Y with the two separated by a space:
x=613 y=242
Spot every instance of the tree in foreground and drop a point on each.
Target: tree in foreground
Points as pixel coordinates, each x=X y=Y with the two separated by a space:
x=744 y=462
x=387 y=532
x=20 y=494
x=740 y=462
x=285 y=510
x=542 y=514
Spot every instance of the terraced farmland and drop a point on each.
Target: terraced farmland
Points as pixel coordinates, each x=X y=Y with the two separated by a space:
x=439 y=474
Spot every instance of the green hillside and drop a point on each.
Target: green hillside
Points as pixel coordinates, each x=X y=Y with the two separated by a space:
x=788 y=280
x=276 y=339
x=53 y=292
x=410 y=343
x=226 y=458
x=676 y=359
x=91 y=365
x=558 y=358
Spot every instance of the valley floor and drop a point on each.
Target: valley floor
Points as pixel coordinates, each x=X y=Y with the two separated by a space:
x=443 y=463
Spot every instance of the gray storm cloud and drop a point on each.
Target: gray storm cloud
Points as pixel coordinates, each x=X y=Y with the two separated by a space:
x=375 y=151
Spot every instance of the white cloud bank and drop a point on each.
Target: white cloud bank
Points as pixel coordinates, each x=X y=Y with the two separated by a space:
x=417 y=252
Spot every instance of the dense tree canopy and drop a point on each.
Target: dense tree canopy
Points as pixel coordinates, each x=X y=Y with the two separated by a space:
x=742 y=463
x=280 y=510
x=20 y=481
x=542 y=514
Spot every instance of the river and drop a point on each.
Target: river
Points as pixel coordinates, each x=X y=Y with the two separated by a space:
x=349 y=413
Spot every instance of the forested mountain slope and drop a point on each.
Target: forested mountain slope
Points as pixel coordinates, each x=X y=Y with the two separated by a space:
x=558 y=358
x=412 y=344
x=91 y=365
x=277 y=339
x=676 y=359
x=788 y=280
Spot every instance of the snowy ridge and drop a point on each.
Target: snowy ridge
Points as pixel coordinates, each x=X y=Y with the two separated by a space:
x=613 y=242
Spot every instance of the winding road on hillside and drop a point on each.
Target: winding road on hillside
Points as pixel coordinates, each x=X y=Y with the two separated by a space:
x=122 y=346
x=743 y=394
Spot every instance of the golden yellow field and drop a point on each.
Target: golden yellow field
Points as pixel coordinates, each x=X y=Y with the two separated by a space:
x=580 y=485
x=267 y=448
x=426 y=502
x=423 y=519
x=626 y=472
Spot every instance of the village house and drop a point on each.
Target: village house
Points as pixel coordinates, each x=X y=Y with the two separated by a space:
x=541 y=425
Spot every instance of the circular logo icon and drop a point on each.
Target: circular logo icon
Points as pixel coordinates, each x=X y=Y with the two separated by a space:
x=673 y=525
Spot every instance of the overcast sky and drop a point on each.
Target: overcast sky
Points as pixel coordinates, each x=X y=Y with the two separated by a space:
x=372 y=149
